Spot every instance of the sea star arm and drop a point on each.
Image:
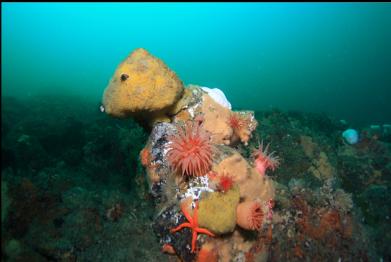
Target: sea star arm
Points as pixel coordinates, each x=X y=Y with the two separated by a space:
x=204 y=231
x=187 y=215
x=180 y=227
x=195 y=214
x=194 y=241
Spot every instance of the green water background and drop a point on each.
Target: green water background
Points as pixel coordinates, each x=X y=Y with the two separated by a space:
x=313 y=57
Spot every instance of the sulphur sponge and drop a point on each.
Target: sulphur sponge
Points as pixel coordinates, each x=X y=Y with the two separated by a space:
x=142 y=86
x=217 y=211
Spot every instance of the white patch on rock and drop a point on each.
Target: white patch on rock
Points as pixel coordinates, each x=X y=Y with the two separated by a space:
x=199 y=185
x=191 y=112
x=217 y=96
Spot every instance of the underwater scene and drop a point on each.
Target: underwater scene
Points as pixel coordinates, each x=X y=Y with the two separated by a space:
x=196 y=132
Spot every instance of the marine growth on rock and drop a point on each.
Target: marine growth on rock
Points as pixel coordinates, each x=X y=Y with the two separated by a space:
x=197 y=174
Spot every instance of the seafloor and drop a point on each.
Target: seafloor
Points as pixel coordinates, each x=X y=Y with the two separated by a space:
x=73 y=188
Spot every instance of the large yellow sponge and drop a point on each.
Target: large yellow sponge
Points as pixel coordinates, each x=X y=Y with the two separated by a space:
x=142 y=87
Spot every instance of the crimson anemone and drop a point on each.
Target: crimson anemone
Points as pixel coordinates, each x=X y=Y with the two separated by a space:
x=226 y=182
x=236 y=121
x=249 y=215
x=264 y=160
x=190 y=151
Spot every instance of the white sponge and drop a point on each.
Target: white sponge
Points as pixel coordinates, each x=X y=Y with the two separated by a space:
x=218 y=96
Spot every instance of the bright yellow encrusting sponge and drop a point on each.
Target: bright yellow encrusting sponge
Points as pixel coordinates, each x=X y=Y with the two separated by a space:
x=142 y=87
x=217 y=211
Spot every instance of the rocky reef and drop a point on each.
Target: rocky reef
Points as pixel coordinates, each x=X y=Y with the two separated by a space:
x=206 y=192
x=210 y=176
x=81 y=185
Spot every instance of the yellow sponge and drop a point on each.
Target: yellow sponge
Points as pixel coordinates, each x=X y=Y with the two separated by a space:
x=217 y=211
x=142 y=86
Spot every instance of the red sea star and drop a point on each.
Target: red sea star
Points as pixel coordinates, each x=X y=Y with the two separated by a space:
x=193 y=225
